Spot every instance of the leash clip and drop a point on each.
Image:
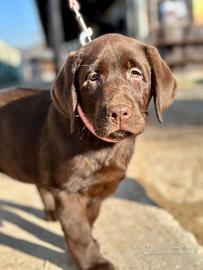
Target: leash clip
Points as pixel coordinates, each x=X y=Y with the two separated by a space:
x=85 y=35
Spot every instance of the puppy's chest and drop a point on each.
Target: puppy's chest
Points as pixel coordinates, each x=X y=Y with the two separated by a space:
x=97 y=177
x=105 y=181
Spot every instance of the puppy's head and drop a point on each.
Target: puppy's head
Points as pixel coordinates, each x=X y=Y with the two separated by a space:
x=110 y=82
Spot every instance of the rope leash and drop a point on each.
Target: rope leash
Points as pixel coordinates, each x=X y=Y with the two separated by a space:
x=85 y=35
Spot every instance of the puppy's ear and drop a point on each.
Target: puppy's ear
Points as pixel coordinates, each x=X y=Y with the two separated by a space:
x=163 y=82
x=63 y=90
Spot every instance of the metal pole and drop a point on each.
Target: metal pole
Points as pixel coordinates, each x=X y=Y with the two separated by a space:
x=137 y=19
x=55 y=30
x=131 y=18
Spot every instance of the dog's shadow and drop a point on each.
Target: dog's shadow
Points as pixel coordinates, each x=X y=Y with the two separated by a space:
x=128 y=189
x=58 y=257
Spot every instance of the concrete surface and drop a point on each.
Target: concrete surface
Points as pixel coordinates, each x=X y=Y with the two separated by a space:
x=133 y=235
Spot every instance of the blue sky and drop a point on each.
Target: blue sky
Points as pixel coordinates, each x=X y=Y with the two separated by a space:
x=19 y=23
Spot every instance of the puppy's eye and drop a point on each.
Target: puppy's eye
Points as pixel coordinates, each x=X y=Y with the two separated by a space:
x=93 y=76
x=136 y=74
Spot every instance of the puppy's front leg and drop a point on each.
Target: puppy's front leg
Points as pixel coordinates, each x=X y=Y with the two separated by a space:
x=93 y=208
x=49 y=203
x=72 y=213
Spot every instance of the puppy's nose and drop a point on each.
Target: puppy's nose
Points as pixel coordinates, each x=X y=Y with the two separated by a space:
x=120 y=113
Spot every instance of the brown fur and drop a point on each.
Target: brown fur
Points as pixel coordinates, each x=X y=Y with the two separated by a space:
x=43 y=141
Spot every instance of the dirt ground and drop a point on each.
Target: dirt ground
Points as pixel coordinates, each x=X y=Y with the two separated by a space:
x=168 y=163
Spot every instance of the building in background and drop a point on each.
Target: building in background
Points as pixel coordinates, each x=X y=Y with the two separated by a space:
x=10 y=64
x=38 y=64
x=31 y=65
x=174 y=26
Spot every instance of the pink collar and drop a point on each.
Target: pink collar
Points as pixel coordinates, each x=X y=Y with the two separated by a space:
x=90 y=127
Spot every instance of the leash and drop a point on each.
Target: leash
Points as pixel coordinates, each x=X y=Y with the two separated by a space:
x=85 y=35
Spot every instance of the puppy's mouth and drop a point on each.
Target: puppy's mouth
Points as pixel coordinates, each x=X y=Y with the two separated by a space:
x=119 y=135
x=114 y=137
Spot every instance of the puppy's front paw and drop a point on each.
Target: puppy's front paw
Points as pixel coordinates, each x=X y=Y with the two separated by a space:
x=103 y=266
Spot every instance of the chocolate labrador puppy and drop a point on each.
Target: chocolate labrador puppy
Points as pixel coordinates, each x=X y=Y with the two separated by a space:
x=76 y=143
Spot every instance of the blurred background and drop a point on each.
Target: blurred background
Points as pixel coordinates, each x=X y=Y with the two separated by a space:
x=167 y=167
x=36 y=35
